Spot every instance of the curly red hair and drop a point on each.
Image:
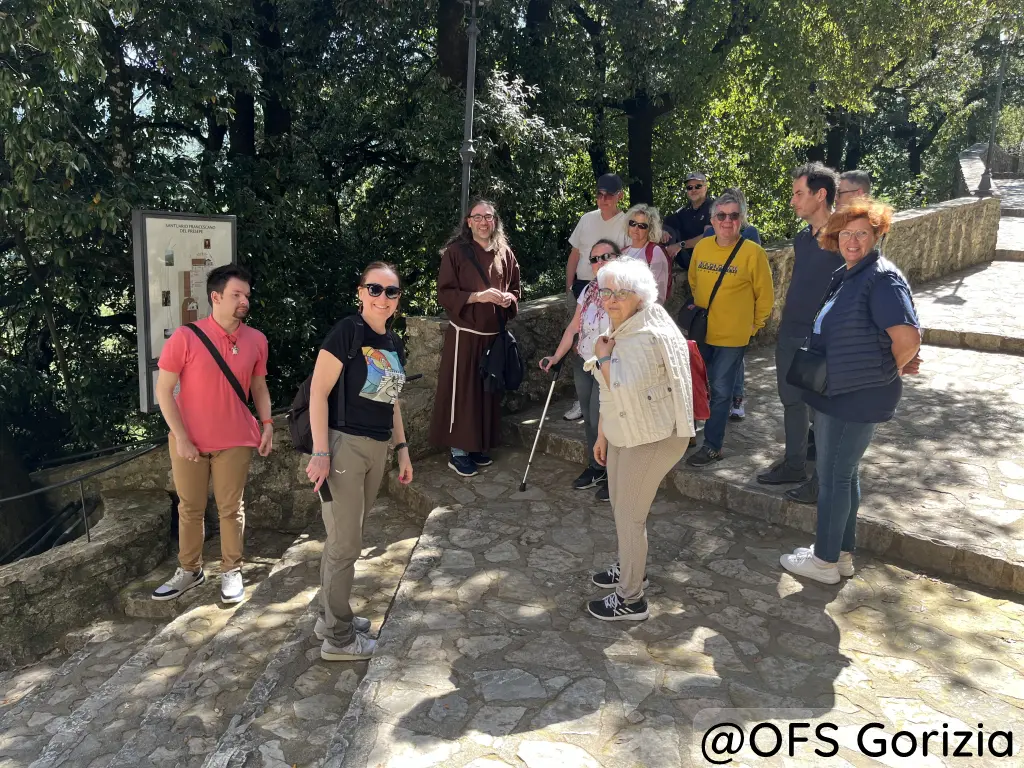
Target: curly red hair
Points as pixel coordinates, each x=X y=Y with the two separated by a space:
x=878 y=213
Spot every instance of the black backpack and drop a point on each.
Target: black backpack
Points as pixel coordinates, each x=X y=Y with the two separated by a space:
x=501 y=367
x=298 y=414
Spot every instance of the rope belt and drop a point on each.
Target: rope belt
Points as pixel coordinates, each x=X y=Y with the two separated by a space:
x=455 y=369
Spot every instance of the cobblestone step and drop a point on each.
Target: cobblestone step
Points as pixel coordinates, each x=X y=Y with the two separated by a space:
x=488 y=657
x=944 y=505
x=293 y=707
x=112 y=714
x=36 y=701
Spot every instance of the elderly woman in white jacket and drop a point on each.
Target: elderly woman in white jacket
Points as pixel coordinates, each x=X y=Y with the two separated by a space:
x=643 y=369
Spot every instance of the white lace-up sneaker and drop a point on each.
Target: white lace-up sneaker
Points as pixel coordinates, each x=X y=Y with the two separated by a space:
x=575 y=413
x=803 y=563
x=359 y=624
x=845 y=564
x=181 y=582
x=232 y=590
x=360 y=648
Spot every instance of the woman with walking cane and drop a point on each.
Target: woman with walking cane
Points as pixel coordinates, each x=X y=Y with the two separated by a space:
x=478 y=286
x=643 y=368
x=590 y=322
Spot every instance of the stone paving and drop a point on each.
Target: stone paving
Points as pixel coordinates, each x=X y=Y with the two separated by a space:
x=980 y=308
x=1011 y=195
x=943 y=483
x=489 y=660
x=1010 y=242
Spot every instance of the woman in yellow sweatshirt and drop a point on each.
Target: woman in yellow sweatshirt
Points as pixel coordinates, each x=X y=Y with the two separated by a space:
x=740 y=309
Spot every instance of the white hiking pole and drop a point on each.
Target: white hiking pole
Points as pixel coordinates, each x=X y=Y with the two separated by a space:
x=551 y=390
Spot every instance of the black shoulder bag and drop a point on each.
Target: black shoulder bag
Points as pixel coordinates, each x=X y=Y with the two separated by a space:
x=501 y=367
x=220 y=363
x=693 y=320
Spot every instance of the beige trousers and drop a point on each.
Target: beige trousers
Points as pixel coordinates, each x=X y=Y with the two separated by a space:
x=230 y=470
x=357 y=467
x=634 y=475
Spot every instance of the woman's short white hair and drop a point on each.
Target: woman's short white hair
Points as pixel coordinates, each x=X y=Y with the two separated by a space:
x=631 y=274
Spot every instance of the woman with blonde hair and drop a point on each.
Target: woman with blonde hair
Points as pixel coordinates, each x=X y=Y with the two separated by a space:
x=866 y=336
x=643 y=368
x=643 y=228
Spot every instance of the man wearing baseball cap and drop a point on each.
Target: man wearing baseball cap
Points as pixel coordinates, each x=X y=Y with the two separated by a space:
x=685 y=228
x=607 y=222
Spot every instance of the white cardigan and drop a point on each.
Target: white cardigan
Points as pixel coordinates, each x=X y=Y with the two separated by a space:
x=650 y=396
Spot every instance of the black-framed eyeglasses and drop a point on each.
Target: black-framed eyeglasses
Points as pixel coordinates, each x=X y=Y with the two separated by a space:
x=376 y=289
x=639 y=224
x=621 y=293
x=478 y=217
x=731 y=216
x=691 y=187
x=603 y=257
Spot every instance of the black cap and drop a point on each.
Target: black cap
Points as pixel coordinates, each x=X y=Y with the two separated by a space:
x=609 y=183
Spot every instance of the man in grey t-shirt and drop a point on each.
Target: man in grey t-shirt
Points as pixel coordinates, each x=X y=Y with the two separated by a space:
x=814 y=194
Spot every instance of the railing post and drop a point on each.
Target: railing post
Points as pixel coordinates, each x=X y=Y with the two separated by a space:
x=85 y=517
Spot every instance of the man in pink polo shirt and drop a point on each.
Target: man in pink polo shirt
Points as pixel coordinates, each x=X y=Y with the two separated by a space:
x=212 y=431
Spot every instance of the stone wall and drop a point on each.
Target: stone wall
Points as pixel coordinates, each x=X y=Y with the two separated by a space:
x=43 y=597
x=278 y=496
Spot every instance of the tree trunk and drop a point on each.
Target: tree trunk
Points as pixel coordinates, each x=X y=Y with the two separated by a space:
x=914 y=151
x=853 y=145
x=596 y=147
x=277 y=118
x=835 y=139
x=242 y=131
x=120 y=95
x=17 y=518
x=640 y=142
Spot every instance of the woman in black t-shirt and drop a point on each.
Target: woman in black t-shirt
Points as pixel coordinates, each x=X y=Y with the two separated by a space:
x=353 y=413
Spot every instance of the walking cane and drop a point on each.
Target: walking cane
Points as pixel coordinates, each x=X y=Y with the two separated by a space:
x=551 y=390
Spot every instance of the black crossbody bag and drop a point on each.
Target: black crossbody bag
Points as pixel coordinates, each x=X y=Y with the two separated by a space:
x=220 y=363
x=693 y=320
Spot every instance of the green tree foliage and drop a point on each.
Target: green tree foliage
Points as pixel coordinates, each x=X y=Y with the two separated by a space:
x=331 y=129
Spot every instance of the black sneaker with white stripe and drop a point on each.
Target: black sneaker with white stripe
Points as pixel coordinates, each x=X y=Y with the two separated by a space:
x=610 y=579
x=614 y=608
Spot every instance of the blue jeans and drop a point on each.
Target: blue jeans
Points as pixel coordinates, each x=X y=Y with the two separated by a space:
x=737 y=389
x=840 y=445
x=723 y=365
x=588 y=393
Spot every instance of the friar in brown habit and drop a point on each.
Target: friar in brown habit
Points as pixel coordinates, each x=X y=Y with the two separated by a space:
x=466 y=419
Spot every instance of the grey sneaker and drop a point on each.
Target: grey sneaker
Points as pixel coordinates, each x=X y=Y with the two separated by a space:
x=232 y=590
x=180 y=583
x=361 y=647
x=780 y=473
x=806 y=493
x=359 y=624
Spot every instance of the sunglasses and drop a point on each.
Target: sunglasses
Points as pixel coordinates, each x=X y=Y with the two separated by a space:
x=734 y=216
x=639 y=224
x=376 y=289
x=621 y=294
x=691 y=187
x=603 y=257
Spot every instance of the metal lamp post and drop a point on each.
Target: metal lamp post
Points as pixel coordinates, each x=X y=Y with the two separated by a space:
x=985 y=185
x=467 y=151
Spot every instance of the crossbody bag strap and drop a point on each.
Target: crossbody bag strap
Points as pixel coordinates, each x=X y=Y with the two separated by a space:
x=721 y=274
x=228 y=374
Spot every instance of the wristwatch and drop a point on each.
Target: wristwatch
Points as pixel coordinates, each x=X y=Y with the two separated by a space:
x=400 y=446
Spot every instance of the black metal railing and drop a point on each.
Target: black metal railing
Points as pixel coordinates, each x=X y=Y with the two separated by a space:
x=29 y=545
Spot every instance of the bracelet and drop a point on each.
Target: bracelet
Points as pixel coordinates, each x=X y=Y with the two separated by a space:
x=603 y=360
x=267 y=421
x=318 y=454
x=400 y=446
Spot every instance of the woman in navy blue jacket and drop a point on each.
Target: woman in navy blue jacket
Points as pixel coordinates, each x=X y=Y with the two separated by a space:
x=869 y=336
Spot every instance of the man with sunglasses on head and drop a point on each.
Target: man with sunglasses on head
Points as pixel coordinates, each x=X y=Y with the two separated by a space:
x=685 y=228
x=606 y=222
x=740 y=309
x=814 y=195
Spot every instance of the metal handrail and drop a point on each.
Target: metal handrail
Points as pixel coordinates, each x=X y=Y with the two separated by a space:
x=51 y=521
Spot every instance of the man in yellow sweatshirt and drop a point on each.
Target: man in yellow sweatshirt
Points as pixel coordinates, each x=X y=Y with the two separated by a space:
x=740 y=309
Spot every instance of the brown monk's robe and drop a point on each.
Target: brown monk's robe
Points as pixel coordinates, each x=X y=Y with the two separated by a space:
x=477 y=425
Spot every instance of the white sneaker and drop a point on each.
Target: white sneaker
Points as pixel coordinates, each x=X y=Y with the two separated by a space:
x=359 y=624
x=180 y=583
x=575 y=413
x=232 y=590
x=361 y=647
x=803 y=563
x=845 y=563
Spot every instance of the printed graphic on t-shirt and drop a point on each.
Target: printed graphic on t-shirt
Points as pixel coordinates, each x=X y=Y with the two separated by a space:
x=384 y=375
x=710 y=266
